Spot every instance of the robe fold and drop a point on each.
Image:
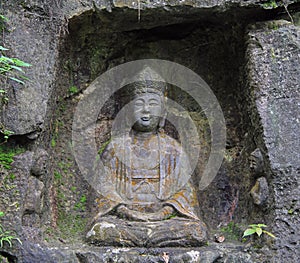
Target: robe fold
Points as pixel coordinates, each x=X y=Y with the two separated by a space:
x=147 y=176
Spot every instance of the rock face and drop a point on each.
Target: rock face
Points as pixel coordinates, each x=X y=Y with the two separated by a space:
x=27 y=109
x=34 y=254
x=274 y=79
x=253 y=69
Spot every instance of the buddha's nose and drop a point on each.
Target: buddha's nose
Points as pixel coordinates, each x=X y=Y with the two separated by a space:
x=146 y=108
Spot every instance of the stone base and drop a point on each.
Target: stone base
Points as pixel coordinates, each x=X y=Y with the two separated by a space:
x=175 y=232
x=163 y=255
x=80 y=253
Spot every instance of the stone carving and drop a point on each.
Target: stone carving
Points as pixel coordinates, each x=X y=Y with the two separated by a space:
x=33 y=202
x=39 y=164
x=149 y=200
x=256 y=162
x=260 y=191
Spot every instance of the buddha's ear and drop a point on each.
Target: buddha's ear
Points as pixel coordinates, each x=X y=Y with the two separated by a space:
x=162 y=120
x=163 y=117
x=129 y=119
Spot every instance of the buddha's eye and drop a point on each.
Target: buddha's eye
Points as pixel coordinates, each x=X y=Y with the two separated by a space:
x=139 y=103
x=154 y=103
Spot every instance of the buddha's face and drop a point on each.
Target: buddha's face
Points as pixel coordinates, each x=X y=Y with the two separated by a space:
x=256 y=161
x=147 y=110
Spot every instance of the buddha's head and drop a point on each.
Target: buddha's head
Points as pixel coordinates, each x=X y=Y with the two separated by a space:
x=148 y=102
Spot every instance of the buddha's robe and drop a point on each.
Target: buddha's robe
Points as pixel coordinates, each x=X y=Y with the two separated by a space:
x=145 y=175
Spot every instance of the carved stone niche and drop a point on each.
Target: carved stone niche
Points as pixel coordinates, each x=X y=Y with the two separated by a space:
x=214 y=52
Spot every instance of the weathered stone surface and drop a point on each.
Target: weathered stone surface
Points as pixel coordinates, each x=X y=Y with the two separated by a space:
x=220 y=5
x=35 y=253
x=256 y=162
x=260 y=191
x=22 y=200
x=35 y=42
x=175 y=232
x=37 y=31
x=273 y=57
x=40 y=163
x=34 y=194
x=147 y=178
x=32 y=189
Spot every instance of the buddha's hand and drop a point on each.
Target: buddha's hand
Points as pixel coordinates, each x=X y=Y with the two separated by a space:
x=162 y=214
x=133 y=215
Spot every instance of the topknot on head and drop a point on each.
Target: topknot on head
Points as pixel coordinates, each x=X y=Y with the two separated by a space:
x=149 y=81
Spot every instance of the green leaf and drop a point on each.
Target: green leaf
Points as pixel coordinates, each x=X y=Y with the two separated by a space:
x=18 y=240
x=261 y=225
x=53 y=142
x=20 y=63
x=254 y=225
x=5 y=59
x=17 y=80
x=23 y=77
x=73 y=90
x=3 y=48
x=258 y=231
x=1 y=213
x=8 y=132
x=4 y=70
x=268 y=233
x=3 y=18
x=290 y=211
x=249 y=231
x=17 y=68
x=8 y=240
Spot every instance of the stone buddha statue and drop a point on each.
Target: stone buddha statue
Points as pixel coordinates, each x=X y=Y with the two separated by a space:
x=149 y=200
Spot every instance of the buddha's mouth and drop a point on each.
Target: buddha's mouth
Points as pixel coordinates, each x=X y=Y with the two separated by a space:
x=145 y=118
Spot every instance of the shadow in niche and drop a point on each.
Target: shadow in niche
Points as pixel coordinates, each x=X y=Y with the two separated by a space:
x=10 y=258
x=17 y=141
